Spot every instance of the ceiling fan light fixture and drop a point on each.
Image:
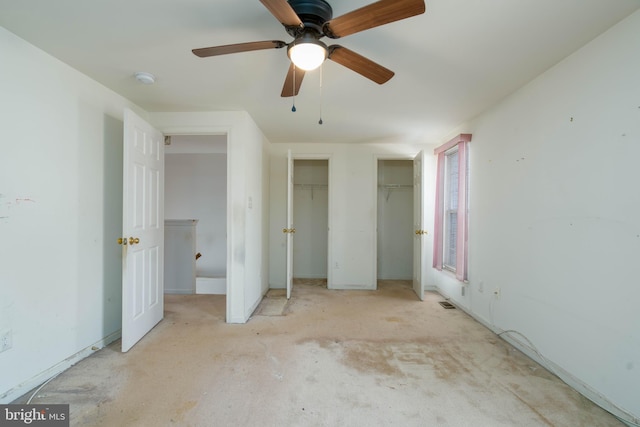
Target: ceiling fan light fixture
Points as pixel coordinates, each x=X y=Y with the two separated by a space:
x=307 y=53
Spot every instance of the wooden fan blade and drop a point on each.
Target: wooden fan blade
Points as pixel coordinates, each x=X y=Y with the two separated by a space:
x=288 y=88
x=376 y=14
x=283 y=12
x=239 y=47
x=360 y=64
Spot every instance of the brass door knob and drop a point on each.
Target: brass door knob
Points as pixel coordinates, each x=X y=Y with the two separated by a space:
x=122 y=240
x=133 y=240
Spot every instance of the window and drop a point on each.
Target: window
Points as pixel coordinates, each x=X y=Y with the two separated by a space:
x=450 y=230
x=450 y=220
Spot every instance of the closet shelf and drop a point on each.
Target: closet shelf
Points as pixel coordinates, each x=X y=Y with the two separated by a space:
x=310 y=186
x=390 y=187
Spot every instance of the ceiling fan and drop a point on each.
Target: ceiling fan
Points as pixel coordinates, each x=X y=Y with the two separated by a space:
x=307 y=21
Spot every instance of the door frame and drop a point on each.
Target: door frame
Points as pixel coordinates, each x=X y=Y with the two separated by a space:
x=248 y=159
x=226 y=153
x=419 y=271
x=328 y=158
x=218 y=130
x=376 y=159
x=289 y=230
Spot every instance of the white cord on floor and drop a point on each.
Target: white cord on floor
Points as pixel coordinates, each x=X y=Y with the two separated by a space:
x=548 y=367
x=40 y=388
x=533 y=347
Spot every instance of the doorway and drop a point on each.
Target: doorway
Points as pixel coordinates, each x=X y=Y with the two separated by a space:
x=311 y=219
x=196 y=189
x=395 y=218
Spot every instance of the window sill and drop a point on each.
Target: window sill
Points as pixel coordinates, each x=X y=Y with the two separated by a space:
x=449 y=269
x=451 y=272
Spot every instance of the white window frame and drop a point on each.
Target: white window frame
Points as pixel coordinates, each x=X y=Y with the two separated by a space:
x=460 y=269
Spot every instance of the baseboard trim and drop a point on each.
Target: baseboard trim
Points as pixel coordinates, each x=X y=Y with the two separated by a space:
x=348 y=287
x=58 y=368
x=573 y=382
x=253 y=308
x=211 y=285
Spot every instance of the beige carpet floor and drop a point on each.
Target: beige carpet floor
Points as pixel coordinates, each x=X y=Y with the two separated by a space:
x=329 y=358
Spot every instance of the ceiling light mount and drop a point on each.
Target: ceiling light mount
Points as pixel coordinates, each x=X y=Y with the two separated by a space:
x=312 y=13
x=145 y=78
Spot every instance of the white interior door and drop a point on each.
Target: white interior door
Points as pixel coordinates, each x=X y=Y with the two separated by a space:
x=143 y=229
x=419 y=225
x=289 y=230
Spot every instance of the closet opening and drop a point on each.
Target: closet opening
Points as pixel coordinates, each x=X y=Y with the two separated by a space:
x=196 y=214
x=311 y=219
x=395 y=237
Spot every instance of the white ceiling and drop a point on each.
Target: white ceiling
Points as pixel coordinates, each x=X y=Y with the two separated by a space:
x=451 y=63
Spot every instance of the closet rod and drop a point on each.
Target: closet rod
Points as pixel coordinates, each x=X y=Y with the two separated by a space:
x=395 y=185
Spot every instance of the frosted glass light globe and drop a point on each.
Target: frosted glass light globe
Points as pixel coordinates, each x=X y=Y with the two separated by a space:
x=307 y=56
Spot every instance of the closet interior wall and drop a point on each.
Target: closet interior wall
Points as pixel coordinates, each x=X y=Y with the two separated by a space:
x=395 y=220
x=310 y=218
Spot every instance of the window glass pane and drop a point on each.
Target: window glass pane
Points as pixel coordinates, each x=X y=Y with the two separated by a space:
x=450 y=230
x=451 y=237
x=452 y=181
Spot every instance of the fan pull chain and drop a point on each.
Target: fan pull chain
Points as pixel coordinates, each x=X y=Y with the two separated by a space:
x=293 y=108
x=321 y=68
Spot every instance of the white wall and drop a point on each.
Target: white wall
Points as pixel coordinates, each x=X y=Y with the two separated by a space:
x=555 y=217
x=247 y=201
x=352 y=201
x=180 y=256
x=60 y=214
x=196 y=188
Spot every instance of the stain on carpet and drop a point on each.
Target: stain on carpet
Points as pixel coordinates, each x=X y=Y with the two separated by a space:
x=272 y=306
x=182 y=409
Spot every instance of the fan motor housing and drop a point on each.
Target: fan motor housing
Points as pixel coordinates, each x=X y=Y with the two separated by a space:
x=312 y=13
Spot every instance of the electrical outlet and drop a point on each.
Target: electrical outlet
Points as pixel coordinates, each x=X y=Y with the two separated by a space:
x=5 y=340
x=496 y=292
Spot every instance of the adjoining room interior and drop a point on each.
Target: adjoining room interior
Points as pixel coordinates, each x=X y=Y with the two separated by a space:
x=196 y=214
